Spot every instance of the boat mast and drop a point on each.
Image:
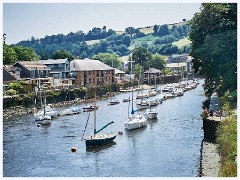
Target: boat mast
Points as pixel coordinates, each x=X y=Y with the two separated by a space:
x=94 y=133
x=44 y=105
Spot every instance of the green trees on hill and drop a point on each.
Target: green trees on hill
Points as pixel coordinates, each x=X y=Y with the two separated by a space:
x=143 y=59
x=62 y=54
x=214 y=46
x=9 y=55
x=108 y=42
x=109 y=59
x=18 y=53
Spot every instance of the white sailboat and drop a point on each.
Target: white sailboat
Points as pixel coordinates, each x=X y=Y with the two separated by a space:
x=151 y=113
x=70 y=110
x=46 y=112
x=135 y=121
x=46 y=119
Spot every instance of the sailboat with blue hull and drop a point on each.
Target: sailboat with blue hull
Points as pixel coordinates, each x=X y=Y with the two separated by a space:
x=99 y=139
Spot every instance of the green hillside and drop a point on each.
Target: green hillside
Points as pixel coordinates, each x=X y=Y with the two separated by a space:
x=182 y=42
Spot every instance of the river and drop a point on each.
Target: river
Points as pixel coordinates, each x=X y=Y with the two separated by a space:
x=167 y=147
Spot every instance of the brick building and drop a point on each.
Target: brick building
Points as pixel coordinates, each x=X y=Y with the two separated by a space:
x=88 y=72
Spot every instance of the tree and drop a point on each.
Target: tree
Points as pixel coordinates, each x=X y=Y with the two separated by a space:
x=141 y=56
x=163 y=30
x=62 y=54
x=9 y=55
x=109 y=59
x=130 y=30
x=214 y=46
x=155 y=29
x=25 y=53
x=158 y=61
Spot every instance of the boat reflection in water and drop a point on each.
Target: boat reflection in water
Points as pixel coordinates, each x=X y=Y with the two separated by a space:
x=101 y=148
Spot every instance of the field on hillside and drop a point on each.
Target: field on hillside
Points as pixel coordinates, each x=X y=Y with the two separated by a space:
x=182 y=42
x=93 y=41
x=149 y=39
x=146 y=30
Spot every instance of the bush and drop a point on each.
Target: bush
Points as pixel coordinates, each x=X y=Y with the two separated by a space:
x=12 y=92
x=16 y=86
x=227 y=140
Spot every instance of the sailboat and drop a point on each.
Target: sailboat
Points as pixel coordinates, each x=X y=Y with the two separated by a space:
x=90 y=107
x=113 y=101
x=45 y=120
x=151 y=113
x=46 y=110
x=70 y=110
x=99 y=139
x=135 y=121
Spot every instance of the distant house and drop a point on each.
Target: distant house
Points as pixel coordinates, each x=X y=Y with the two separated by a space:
x=32 y=69
x=177 y=58
x=181 y=66
x=14 y=71
x=88 y=72
x=59 y=68
x=152 y=76
x=176 y=67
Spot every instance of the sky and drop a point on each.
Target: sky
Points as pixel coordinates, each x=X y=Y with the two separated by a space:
x=21 y=21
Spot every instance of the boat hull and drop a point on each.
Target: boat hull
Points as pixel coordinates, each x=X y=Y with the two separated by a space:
x=135 y=123
x=68 y=112
x=99 y=140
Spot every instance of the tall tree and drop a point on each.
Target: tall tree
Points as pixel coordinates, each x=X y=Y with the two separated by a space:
x=141 y=56
x=62 y=54
x=163 y=30
x=214 y=46
x=9 y=55
x=155 y=29
x=25 y=53
x=158 y=61
x=130 y=30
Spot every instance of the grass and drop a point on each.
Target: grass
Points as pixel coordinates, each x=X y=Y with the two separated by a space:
x=182 y=42
x=149 y=39
x=146 y=30
x=227 y=140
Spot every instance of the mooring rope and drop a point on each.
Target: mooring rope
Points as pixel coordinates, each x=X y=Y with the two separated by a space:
x=85 y=126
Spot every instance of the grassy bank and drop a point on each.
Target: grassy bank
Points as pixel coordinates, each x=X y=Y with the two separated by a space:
x=227 y=140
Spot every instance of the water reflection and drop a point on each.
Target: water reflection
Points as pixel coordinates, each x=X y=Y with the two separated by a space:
x=100 y=148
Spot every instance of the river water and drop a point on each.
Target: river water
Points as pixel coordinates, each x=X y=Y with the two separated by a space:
x=167 y=147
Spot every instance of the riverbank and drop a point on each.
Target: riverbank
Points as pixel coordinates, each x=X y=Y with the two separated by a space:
x=219 y=149
x=21 y=110
x=210 y=160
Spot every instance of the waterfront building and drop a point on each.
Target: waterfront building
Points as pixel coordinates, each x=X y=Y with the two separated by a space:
x=59 y=68
x=32 y=69
x=88 y=72
x=177 y=58
x=152 y=76
x=119 y=76
x=59 y=71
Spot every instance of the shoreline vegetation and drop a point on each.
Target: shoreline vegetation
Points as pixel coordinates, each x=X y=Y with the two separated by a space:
x=227 y=141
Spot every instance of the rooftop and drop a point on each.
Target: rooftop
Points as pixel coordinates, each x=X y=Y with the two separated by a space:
x=171 y=65
x=53 y=61
x=30 y=65
x=152 y=71
x=117 y=71
x=88 y=65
